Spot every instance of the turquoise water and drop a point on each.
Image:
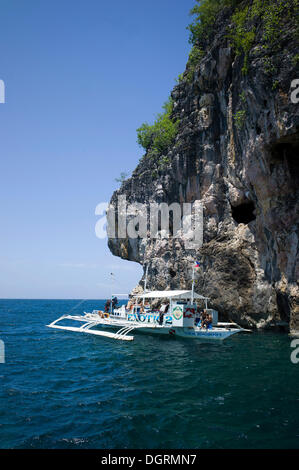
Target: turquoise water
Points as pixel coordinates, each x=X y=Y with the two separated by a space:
x=68 y=390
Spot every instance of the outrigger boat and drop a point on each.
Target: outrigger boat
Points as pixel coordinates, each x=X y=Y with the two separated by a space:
x=179 y=317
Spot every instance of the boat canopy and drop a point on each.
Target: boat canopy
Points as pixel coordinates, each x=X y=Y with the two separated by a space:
x=171 y=294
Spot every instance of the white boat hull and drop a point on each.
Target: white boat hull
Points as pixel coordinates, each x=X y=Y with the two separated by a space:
x=124 y=327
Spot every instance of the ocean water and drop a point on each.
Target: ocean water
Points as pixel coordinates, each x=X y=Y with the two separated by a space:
x=63 y=389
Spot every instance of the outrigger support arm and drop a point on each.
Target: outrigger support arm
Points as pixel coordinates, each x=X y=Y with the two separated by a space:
x=192 y=294
x=89 y=323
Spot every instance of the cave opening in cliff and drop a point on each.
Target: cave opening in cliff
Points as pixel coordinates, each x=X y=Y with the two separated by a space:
x=244 y=213
x=286 y=153
x=283 y=306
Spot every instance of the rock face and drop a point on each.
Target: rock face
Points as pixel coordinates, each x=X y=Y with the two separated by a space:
x=237 y=152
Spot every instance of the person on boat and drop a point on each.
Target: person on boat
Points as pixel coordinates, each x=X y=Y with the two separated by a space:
x=202 y=318
x=114 y=302
x=130 y=305
x=164 y=308
x=162 y=311
x=200 y=315
x=210 y=324
x=107 y=306
x=207 y=324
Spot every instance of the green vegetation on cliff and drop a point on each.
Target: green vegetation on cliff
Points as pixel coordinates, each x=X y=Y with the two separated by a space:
x=271 y=15
x=206 y=12
x=247 y=18
x=195 y=55
x=156 y=138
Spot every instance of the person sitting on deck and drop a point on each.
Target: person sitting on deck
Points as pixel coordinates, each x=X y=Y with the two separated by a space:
x=107 y=306
x=208 y=322
x=202 y=319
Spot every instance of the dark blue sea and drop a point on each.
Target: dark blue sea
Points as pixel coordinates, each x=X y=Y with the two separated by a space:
x=69 y=390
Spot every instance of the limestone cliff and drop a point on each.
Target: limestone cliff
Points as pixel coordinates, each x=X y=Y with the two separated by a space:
x=236 y=150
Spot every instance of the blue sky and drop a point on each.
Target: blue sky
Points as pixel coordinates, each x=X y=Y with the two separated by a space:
x=80 y=77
